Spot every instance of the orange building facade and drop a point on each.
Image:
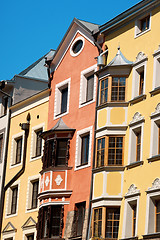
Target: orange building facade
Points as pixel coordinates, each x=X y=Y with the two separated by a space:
x=67 y=159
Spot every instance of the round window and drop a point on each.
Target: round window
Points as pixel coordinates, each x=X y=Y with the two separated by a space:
x=77 y=46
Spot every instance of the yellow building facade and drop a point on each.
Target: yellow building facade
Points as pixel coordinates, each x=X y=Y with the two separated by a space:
x=126 y=174
x=28 y=119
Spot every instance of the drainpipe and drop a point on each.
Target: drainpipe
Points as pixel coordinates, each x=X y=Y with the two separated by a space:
x=25 y=127
x=93 y=164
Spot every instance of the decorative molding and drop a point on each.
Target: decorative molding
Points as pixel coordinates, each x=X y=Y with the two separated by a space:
x=156 y=112
x=30 y=222
x=136 y=118
x=141 y=57
x=58 y=180
x=47 y=181
x=155 y=185
x=9 y=227
x=132 y=190
x=157 y=51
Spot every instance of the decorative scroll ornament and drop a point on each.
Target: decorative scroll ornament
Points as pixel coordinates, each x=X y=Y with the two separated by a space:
x=47 y=181
x=58 y=180
x=63 y=199
x=157 y=109
x=140 y=56
x=132 y=190
x=136 y=118
x=155 y=184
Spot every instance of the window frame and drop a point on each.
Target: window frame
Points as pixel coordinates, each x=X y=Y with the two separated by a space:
x=80 y=134
x=131 y=199
x=1 y=146
x=156 y=70
x=139 y=66
x=83 y=86
x=106 y=150
x=35 y=129
x=72 y=45
x=75 y=231
x=14 y=149
x=138 y=23
x=58 y=98
x=9 y=200
x=31 y=180
x=110 y=86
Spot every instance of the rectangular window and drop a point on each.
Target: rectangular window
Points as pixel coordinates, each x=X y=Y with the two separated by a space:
x=109 y=151
x=118 y=89
x=90 y=88
x=138 y=146
x=157 y=211
x=134 y=211
x=18 y=150
x=1 y=146
x=104 y=91
x=30 y=236
x=38 y=143
x=14 y=199
x=141 y=83
x=100 y=152
x=35 y=186
x=112 y=222
x=64 y=98
x=159 y=139
x=145 y=23
x=79 y=216
x=51 y=227
x=85 y=149
x=97 y=222
x=61 y=152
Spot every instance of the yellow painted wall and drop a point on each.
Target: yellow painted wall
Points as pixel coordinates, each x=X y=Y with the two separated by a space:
x=141 y=176
x=114 y=183
x=32 y=168
x=117 y=116
x=102 y=118
x=98 y=185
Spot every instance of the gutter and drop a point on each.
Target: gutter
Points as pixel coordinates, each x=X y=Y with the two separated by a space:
x=25 y=127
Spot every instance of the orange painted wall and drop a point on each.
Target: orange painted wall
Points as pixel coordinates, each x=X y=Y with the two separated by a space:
x=78 y=118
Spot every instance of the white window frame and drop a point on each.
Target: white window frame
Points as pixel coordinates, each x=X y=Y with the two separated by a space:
x=153 y=193
x=14 y=147
x=156 y=69
x=31 y=179
x=33 y=142
x=28 y=232
x=71 y=48
x=130 y=198
x=6 y=236
x=9 y=200
x=155 y=121
x=83 y=85
x=138 y=31
x=57 y=102
x=80 y=134
x=139 y=65
x=136 y=124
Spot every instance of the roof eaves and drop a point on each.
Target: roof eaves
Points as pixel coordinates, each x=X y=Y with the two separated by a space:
x=126 y=14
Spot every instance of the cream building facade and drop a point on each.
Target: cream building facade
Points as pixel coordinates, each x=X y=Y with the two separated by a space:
x=126 y=176
x=28 y=119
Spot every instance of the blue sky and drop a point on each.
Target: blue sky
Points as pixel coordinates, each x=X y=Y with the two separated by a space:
x=29 y=29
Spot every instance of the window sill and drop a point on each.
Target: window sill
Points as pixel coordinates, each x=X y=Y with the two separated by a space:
x=35 y=158
x=155 y=91
x=79 y=167
x=134 y=164
x=3 y=115
x=113 y=104
x=109 y=169
x=151 y=235
x=137 y=99
x=129 y=238
x=142 y=32
x=154 y=158
x=60 y=115
x=76 y=238
x=56 y=169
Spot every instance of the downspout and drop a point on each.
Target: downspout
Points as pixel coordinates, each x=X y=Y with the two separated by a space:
x=91 y=189
x=25 y=127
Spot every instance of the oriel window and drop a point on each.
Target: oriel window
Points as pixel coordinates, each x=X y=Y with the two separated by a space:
x=118 y=89
x=112 y=222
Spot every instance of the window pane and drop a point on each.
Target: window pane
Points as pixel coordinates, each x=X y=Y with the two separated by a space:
x=18 y=150
x=90 y=88
x=85 y=149
x=61 y=152
x=64 y=100
x=35 y=186
x=104 y=91
x=115 y=151
x=38 y=143
x=14 y=200
x=112 y=222
x=1 y=147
